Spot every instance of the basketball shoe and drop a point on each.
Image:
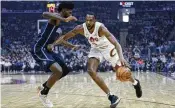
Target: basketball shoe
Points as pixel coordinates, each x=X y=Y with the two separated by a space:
x=43 y=98
x=138 y=89
x=114 y=101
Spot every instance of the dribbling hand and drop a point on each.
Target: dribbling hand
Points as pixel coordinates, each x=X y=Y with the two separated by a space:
x=125 y=63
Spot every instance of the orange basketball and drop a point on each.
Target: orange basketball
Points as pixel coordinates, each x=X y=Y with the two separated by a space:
x=123 y=74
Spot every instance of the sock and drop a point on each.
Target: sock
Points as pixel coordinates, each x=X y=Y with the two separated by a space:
x=135 y=82
x=44 y=84
x=108 y=94
x=45 y=91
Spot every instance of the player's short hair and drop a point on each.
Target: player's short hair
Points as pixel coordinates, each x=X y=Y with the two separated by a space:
x=65 y=5
x=91 y=13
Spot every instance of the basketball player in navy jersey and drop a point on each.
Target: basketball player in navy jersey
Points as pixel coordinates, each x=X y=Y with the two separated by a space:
x=103 y=45
x=50 y=60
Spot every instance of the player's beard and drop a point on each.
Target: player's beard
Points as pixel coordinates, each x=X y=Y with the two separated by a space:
x=90 y=27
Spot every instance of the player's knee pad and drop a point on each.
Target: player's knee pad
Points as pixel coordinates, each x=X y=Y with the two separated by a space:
x=65 y=71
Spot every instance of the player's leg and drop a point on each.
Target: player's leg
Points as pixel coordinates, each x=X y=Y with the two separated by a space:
x=59 y=69
x=92 y=70
x=135 y=83
x=43 y=89
x=114 y=60
x=56 y=75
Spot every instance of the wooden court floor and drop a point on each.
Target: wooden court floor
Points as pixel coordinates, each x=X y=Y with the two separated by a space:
x=79 y=91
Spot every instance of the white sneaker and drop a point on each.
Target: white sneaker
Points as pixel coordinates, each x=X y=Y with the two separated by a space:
x=43 y=98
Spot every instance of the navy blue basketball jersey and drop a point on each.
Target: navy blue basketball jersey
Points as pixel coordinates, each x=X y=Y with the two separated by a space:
x=44 y=57
x=47 y=37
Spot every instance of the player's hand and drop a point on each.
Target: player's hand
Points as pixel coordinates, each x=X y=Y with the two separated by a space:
x=71 y=18
x=50 y=47
x=76 y=47
x=124 y=62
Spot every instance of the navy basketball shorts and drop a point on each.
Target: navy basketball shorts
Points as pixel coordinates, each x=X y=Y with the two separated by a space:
x=45 y=59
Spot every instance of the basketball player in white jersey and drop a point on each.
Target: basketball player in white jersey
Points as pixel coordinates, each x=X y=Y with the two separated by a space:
x=103 y=45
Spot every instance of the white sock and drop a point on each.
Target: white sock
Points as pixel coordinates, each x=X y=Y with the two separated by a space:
x=135 y=82
x=109 y=94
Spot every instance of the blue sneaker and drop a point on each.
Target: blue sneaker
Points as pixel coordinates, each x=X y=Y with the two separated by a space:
x=114 y=101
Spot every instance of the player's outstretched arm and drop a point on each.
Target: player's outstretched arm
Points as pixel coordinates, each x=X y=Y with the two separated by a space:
x=62 y=39
x=69 y=45
x=56 y=16
x=104 y=31
x=65 y=43
x=70 y=34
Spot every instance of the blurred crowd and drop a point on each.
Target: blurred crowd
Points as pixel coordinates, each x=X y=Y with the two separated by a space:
x=150 y=40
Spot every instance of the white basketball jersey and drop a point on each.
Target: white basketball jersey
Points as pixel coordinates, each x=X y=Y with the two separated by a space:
x=94 y=39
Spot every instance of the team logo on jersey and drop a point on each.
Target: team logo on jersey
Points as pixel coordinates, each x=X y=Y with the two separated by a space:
x=112 y=52
x=93 y=39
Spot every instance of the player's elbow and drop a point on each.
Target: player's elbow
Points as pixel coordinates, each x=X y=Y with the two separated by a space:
x=45 y=14
x=117 y=45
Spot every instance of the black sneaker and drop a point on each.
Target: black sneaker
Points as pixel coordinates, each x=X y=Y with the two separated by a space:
x=138 y=89
x=114 y=100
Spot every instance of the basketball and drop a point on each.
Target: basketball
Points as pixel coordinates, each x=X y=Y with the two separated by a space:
x=123 y=74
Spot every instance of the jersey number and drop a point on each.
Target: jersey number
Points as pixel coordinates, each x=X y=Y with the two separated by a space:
x=93 y=40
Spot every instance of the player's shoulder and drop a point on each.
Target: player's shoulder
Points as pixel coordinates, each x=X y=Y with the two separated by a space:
x=78 y=29
x=101 y=26
x=99 y=23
